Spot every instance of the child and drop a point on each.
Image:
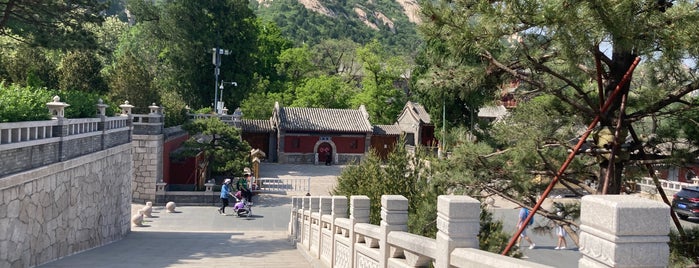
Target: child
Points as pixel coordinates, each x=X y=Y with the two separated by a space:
x=561 y=237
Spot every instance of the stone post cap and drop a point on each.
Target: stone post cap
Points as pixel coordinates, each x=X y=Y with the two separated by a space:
x=457 y=206
x=126 y=108
x=394 y=202
x=154 y=109
x=56 y=107
x=101 y=107
x=625 y=215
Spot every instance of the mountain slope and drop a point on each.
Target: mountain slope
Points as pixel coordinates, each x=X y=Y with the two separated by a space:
x=391 y=22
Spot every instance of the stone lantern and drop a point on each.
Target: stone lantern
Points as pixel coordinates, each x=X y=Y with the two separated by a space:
x=101 y=108
x=126 y=108
x=224 y=111
x=57 y=108
x=154 y=109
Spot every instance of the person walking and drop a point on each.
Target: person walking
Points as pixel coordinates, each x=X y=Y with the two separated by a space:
x=225 y=193
x=243 y=187
x=523 y=214
x=561 y=233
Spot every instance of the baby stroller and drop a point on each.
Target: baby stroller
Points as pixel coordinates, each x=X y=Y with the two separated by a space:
x=242 y=207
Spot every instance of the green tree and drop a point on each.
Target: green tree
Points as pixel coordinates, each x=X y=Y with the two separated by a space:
x=324 y=92
x=131 y=81
x=81 y=70
x=226 y=154
x=551 y=47
x=51 y=23
x=185 y=32
x=382 y=99
x=30 y=66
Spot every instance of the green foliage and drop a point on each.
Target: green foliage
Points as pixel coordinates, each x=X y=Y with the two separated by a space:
x=304 y=26
x=23 y=103
x=83 y=104
x=131 y=81
x=80 y=70
x=402 y=174
x=180 y=35
x=324 y=92
x=51 y=23
x=226 y=153
x=260 y=105
x=383 y=101
x=29 y=66
x=175 y=112
x=684 y=252
x=29 y=104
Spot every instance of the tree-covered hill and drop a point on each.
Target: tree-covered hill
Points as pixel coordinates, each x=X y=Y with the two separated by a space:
x=311 y=21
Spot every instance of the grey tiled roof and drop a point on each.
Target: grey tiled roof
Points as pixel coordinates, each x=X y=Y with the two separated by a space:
x=323 y=120
x=387 y=130
x=417 y=111
x=256 y=126
x=496 y=112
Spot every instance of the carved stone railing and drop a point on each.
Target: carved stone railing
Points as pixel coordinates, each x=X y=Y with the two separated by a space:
x=611 y=227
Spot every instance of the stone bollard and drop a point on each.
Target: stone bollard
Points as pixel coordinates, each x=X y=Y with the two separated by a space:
x=148 y=210
x=170 y=206
x=458 y=224
x=137 y=219
x=623 y=231
x=394 y=217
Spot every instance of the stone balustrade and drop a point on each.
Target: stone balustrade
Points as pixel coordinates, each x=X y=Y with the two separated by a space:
x=616 y=231
x=32 y=144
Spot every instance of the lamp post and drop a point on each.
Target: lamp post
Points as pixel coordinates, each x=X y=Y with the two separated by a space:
x=221 y=88
x=216 y=60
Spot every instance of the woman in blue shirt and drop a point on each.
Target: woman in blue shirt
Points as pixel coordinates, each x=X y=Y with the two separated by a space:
x=225 y=192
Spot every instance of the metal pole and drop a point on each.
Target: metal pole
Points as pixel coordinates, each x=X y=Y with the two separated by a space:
x=217 y=63
x=565 y=165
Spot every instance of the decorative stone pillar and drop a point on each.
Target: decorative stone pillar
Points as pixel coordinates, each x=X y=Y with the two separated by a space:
x=305 y=219
x=293 y=219
x=126 y=108
x=324 y=208
x=154 y=109
x=312 y=209
x=458 y=223
x=209 y=186
x=359 y=213
x=57 y=108
x=623 y=231
x=101 y=108
x=338 y=210
x=394 y=217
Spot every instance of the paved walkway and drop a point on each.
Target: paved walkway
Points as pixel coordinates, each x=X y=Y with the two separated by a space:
x=200 y=237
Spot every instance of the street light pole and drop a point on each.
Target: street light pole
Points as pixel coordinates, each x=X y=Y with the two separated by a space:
x=216 y=60
x=221 y=88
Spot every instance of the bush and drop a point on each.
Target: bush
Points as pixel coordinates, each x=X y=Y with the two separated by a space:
x=684 y=253
x=29 y=104
x=23 y=103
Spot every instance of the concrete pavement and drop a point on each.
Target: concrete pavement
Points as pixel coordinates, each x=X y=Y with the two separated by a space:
x=200 y=237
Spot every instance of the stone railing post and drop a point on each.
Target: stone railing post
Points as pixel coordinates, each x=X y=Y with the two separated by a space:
x=394 y=217
x=57 y=111
x=623 y=231
x=359 y=213
x=312 y=209
x=458 y=223
x=305 y=221
x=292 y=229
x=324 y=208
x=338 y=210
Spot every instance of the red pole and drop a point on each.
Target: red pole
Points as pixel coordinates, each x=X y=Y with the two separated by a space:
x=565 y=165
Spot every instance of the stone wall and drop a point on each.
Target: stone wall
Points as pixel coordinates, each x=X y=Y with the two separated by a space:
x=147 y=166
x=64 y=208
